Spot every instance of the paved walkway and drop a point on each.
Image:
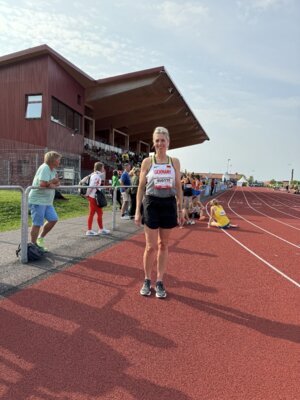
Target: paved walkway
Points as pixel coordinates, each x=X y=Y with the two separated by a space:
x=67 y=244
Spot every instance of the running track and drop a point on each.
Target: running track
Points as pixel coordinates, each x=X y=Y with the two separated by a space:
x=229 y=328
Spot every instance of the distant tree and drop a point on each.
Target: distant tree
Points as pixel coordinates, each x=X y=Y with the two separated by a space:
x=273 y=182
x=250 y=179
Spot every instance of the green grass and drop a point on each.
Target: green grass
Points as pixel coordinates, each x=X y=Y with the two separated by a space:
x=10 y=209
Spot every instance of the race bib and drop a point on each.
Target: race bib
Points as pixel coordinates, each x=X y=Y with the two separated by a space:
x=222 y=212
x=163 y=183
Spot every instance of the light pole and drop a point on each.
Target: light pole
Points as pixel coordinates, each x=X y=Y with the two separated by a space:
x=228 y=161
x=292 y=174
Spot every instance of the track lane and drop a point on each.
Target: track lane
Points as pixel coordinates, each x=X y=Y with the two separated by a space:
x=279 y=206
x=259 y=208
x=275 y=251
x=86 y=333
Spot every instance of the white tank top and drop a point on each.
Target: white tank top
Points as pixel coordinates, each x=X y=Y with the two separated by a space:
x=161 y=179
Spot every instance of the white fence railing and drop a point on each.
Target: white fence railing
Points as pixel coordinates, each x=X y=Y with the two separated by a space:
x=24 y=206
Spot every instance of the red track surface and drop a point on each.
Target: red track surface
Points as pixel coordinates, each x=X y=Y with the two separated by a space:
x=229 y=328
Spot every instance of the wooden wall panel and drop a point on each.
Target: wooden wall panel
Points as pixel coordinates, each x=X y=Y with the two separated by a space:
x=16 y=81
x=61 y=139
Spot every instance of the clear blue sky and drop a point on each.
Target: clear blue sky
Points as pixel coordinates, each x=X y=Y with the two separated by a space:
x=236 y=63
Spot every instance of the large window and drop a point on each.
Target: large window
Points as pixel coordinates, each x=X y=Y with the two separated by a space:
x=64 y=115
x=33 y=106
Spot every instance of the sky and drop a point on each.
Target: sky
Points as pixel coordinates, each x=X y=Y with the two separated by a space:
x=235 y=62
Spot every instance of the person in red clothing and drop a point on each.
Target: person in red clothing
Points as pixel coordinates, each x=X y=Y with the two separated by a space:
x=95 y=180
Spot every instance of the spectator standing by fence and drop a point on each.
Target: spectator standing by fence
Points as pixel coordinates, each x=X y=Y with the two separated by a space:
x=41 y=200
x=115 y=182
x=95 y=183
x=125 y=181
x=212 y=186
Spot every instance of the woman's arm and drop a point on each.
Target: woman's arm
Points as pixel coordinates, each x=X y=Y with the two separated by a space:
x=211 y=215
x=178 y=187
x=141 y=189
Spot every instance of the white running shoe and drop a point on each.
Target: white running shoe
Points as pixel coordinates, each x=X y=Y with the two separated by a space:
x=104 y=231
x=193 y=222
x=125 y=217
x=91 y=233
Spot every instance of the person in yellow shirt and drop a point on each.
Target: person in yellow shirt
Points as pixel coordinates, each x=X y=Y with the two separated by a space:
x=218 y=216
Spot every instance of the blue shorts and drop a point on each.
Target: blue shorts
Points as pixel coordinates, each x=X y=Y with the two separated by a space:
x=225 y=226
x=40 y=212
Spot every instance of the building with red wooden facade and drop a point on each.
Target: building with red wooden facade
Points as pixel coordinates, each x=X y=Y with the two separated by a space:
x=47 y=103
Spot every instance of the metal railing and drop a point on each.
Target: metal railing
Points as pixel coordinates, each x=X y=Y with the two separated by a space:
x=25 y=203
x=24 y=211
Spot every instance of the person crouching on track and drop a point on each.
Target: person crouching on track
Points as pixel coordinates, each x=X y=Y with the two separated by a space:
x=160 y=181
x=218 y=216
x=195 y=210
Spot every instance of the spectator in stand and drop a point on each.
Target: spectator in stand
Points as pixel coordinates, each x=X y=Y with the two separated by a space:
x=218 y=216
x=95 y=180
x=41 y=200
x=115 y=183
x=125 y=158
x=125 y=181
x=133 y=190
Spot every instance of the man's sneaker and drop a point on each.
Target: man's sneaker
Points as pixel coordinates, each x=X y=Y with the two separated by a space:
x=160 y=290
x=146 y=288
x=41 y=243
x=104 y=231
x=193 y=222
x=125 y=217
x=91 y=233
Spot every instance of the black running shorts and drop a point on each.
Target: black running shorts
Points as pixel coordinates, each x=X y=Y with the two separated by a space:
x=159 y=212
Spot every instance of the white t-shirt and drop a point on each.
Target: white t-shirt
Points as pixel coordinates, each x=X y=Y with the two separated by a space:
x=95 y=180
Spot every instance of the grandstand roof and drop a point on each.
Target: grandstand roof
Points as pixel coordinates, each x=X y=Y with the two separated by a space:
x=135 y=103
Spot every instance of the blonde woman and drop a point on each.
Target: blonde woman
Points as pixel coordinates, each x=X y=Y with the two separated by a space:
x=160 y=193
x=41 y=200
x=218 y=216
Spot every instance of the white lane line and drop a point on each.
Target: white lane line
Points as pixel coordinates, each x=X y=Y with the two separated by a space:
x=282 y=212
x=280 y=222
x=263 y=260
x=288 y=203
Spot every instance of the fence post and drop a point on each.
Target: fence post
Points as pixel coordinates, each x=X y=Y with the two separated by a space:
x=24 y=228
x=114 y=208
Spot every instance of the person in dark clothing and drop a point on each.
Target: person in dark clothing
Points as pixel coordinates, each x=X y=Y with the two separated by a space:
x=212 y=186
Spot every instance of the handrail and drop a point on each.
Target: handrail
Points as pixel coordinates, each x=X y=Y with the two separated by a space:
x=24 y=213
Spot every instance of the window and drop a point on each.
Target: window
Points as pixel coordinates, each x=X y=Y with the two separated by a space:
x=64 y=115
x=33 y=106
x=23 y=168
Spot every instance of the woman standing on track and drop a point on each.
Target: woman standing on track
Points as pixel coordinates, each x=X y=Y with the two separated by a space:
x=160 y=182
x=218 y=216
